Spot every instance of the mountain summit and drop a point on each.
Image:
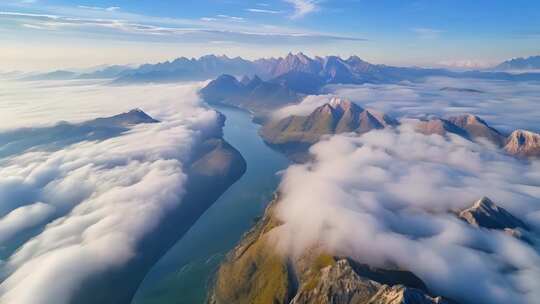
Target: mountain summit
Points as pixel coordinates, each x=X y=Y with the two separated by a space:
x=468 y=126
x=523 y=143
x=337 y=116
x=485 y=213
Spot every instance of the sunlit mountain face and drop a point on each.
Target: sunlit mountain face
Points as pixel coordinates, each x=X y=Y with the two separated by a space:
x=274 y=152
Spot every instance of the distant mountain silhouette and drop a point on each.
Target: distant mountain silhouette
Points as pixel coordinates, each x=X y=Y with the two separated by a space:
x=63 y=134
x=252 y=94
x=299 y=72
x=183 y=69
x=516 y=64
x=55 y=75
x=112 y=71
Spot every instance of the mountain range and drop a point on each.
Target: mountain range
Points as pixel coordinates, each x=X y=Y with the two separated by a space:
x=294 y=134
x=520 y=143
x=299 y=72
x=106 y=72
x=519 y=64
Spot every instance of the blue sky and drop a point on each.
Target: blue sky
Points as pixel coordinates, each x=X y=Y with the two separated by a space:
x=40 y=34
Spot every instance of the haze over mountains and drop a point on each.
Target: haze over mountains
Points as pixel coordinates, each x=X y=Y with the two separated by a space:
x=299 y=72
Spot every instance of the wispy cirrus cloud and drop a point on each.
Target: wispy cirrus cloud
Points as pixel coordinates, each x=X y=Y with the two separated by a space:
x=220 y=27
x=427 y=33
x=98 y=8
x=303 y=7
x=262 y=11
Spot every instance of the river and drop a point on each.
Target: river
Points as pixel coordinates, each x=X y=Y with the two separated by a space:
x=183 y=274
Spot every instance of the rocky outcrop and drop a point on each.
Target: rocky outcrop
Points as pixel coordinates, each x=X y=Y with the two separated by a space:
x=523 y=143
x=340 y=283
x=255 y=272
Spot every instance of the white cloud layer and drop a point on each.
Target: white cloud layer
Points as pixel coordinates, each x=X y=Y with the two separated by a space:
x=504 y=105
x=104 y=196
x=386 y=198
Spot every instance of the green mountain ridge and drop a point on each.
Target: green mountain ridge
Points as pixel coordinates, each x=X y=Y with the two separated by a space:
x=294 y=134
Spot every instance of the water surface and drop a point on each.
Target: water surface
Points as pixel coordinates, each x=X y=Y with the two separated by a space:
x=184 y=273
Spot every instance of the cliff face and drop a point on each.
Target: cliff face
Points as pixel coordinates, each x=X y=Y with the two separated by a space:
x=254 y=272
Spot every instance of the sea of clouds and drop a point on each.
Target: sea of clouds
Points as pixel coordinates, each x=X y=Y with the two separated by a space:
x=505 y=105
x=82 y=209
x=388 y=197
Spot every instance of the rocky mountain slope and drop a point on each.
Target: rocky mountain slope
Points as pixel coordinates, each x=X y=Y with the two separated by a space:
x=469 y=126
x=485 y=213
x=254 y=272
x=520 y=143
x=296 y=133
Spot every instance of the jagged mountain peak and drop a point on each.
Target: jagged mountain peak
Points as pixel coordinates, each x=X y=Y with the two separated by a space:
x=523 y=143
x=466 y=119
x=485 y=213
x=439 y=126
x=132 y=117
x=355 y=59
x=468 y=126
x=485 y=203
x=343 y=103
